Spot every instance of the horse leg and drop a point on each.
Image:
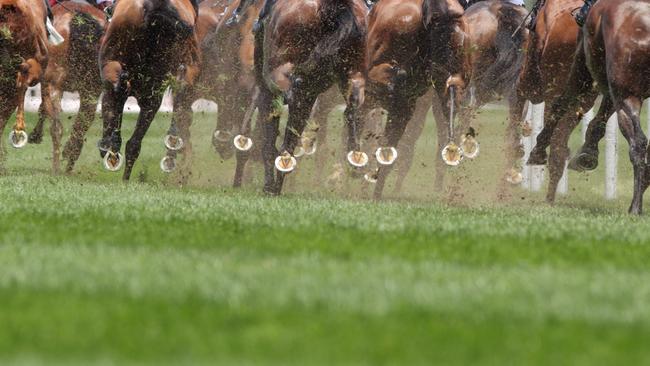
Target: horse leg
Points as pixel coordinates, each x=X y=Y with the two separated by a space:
x=6 y=109
x=406 y=147
x=56 y=129
x=44 y=112
x=399 y=114
x=148 y=108
x=630 y=125
x=580 y=83
x=85 y=117
x=269 y=121
x=242 y=156
x=300 y=106
x=180 y=128
x=441 y=116
x=112 y=110
x=587 y=157
x=222 y=137
x=514 y=150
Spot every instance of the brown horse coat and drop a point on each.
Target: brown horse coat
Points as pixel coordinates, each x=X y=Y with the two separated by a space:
x=149 y=45
x=71 y=68
x=23 y=56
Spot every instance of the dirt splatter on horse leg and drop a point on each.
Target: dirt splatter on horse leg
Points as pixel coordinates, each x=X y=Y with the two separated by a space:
x=85 y=117
x=148 y=109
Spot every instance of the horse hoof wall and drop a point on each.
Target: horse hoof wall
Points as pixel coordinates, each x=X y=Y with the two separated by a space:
x=299 y=152
x=18 y=139
x=514 y=177
x=371 y=177
x=583 y=162
x=113 y=161
x=242 y=143
x=452 y=154
x=173 y=143
x=358 y=159
x=386 y=155
x=470 y=146
x=168 y=164
x=221 y=136
x=285 y=163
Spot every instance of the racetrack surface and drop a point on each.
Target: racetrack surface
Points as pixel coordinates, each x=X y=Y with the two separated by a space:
x=94 y=271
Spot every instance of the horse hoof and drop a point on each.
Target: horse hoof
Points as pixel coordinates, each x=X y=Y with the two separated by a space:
x=242 y=143
x=371 y=177
x=220 y=137
x=113 y=161
x=173 y=143
x=514 y=177
x=537 y=157
x=299 y=152
x=285 y=163
x=168 y=164
x=358 y=159
x=18 y=139
x=470 y=146
x=309 y=147
x=583 y=162
x=452 y=154
x=35 y=139
x=386 y=155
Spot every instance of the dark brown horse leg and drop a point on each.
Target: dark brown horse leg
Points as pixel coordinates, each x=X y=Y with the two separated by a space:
x=112 y=111
x=85 y=117
x=148 y=109
x=300 y=107
x=630 y=125
x=269 y=121
x=409 y=141
x=56 y=130
x=44 y=112
x=242 y=157
x=229 y=113
x=440 y=114
x=587 y=157
x=398 y=116
x=579 y=83
x=183 y=119
x=6 y=109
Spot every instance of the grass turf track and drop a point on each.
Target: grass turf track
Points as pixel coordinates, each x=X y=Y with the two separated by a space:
x=93 y=271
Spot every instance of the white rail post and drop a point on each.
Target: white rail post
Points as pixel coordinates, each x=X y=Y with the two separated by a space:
x=611 y=157
x=537 y=172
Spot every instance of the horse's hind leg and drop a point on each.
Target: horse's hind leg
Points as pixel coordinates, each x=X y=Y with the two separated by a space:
x=56 y=128
x=398 y=116
x=630 y=125
x=6 y=109
x=514 y=150
x=149 y=107
x=269 y=120
x=587 y=156
x=182 y=121
x=44 y=112
x=300 y=106
x=85 y=117
x=242 y=156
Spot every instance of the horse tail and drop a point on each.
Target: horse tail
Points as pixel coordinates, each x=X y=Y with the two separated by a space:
x=162 y=19
x=503 y=73
x=85 y=36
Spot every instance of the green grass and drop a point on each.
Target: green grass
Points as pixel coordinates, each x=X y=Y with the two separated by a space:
x=94 y=271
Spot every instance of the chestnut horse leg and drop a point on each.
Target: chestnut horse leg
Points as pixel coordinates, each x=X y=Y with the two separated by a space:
x=44 y=111
x=514 y=150
x=399 y=114
x=587 y=157
x=6 y=109
x=85 y=117
x=630 y=125
x=148 y=108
